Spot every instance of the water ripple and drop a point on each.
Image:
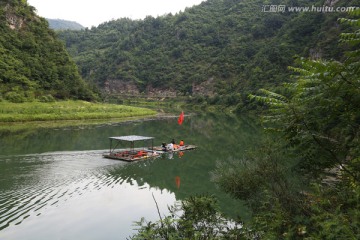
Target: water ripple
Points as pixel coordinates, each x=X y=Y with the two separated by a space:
x=45 y=181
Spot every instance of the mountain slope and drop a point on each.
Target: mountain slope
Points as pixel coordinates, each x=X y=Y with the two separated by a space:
x=221 y=48
x=33 y=62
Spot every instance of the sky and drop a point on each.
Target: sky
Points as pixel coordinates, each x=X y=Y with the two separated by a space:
x=93 y=12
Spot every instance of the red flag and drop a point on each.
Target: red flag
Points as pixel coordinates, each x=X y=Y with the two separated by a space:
x=177 y=181
x=181 y=118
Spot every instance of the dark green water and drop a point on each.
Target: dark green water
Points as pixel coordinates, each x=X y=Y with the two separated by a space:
x=55 y=182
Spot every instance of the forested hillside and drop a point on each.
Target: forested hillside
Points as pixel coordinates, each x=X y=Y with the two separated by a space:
x=34 y=64
x=301 y=181
x=224 y=48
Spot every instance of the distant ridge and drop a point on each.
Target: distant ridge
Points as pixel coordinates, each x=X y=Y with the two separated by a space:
x=60 y=24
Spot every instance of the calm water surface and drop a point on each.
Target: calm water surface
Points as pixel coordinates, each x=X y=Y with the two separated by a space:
x=55 y=184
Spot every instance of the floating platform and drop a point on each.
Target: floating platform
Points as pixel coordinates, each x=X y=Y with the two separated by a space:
x=131 y=153
x=131 y=156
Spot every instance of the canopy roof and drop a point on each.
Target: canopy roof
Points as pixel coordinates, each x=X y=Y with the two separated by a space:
x=131 y=138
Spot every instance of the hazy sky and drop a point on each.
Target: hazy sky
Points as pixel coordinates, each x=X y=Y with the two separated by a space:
x=93 y=12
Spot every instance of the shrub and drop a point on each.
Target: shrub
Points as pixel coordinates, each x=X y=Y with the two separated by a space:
x=15 y=97
x=47 y=98
x=199 y=219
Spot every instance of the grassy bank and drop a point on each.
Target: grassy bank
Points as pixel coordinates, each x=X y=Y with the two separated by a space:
x=67 y=110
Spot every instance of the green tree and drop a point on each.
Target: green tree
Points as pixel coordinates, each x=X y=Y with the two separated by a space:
x=232 y=42
x=317 y=123
x=33 y=62
x=304 y=182
x=194 y=218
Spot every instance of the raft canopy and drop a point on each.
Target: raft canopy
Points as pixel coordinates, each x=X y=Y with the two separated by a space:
x=131 y=138
x=131 y=153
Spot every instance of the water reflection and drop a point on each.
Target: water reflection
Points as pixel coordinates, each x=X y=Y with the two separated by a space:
x=73 y=193
x=51 y=179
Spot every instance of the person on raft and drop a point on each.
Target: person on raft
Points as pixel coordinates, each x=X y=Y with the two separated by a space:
x=170 y=147
x=175 y=146
x=163 y=146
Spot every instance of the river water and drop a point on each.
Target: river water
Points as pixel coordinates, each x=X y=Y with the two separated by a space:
x=55 y=184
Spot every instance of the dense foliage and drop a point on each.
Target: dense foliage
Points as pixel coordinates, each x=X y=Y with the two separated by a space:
x=230 y=47
x=33 y=62
x=195 y=218
x=319 y=123
x=304 y=182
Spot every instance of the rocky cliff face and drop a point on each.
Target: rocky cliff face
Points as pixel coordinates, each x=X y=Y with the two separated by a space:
x=330 y=2
x=12 y=19
x=204 y=89
x=118 y=87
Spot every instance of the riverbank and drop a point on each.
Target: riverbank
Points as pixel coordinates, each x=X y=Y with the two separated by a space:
x=67 y=110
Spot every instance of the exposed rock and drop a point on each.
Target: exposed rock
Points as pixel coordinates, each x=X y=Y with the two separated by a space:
x=330 y=3
x=14 y=21
x=205 y=88
x=130 y=89
x=315 y=54
x=120 y=87
x=156 y=92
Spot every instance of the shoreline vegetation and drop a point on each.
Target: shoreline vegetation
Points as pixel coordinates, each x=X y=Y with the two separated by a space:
x=67 y=110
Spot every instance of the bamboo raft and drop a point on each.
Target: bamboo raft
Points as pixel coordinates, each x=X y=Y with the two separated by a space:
x=147 y=151
x=131 y=154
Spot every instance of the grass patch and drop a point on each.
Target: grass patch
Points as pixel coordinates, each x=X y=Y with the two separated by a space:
x=67 y=110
